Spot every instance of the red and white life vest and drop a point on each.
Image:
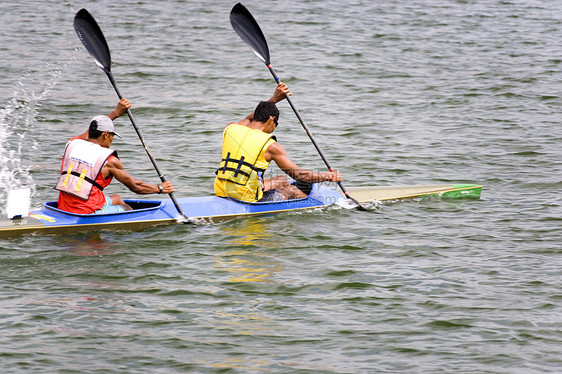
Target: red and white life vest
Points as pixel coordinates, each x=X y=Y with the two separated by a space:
x=82 y=163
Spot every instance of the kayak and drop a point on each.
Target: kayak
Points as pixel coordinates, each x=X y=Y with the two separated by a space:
x=148 y=213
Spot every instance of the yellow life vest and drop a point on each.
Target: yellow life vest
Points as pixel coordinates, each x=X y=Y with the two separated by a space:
x=243 y=163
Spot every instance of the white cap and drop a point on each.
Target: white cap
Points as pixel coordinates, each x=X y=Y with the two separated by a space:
x=105 y=124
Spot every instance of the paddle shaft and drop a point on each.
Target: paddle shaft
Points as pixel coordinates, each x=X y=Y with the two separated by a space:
x=305 y=127
x=132 y=119
x=90 y=34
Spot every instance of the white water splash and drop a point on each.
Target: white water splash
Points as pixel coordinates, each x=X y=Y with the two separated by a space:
x=18 y=121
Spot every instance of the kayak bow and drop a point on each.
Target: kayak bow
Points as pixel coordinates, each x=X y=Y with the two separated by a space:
x=147 y=213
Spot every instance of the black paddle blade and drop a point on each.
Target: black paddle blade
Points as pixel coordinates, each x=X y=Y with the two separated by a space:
x=248 y=29
x=91 y=36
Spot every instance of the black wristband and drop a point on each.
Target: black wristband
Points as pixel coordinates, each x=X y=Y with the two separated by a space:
x=160 y=189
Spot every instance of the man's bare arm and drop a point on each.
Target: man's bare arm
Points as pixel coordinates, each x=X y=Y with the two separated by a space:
x=115 y=168
x=278 y=154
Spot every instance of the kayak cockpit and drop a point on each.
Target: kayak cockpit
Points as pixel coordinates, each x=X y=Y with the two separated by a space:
x=137 y=205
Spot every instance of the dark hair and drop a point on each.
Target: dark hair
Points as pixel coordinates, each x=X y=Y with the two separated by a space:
x=93 y=132
x=264 y=110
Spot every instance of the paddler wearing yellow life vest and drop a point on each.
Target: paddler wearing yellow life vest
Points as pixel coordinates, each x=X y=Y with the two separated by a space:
x=247 y=149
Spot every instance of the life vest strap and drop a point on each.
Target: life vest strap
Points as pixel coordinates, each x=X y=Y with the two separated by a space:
x=87 y=179
x=239 y=163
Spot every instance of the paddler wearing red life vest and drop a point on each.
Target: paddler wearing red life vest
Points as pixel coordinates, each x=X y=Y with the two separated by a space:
x=89 y=165
x=247 y=149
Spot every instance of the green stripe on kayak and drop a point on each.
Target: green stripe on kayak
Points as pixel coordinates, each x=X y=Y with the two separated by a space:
x=382 y=193
x=464 y=191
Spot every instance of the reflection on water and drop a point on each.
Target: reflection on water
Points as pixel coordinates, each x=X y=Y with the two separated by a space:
x=246 y=260
x=87 y=245
x=239 y=363
x=246 y=257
